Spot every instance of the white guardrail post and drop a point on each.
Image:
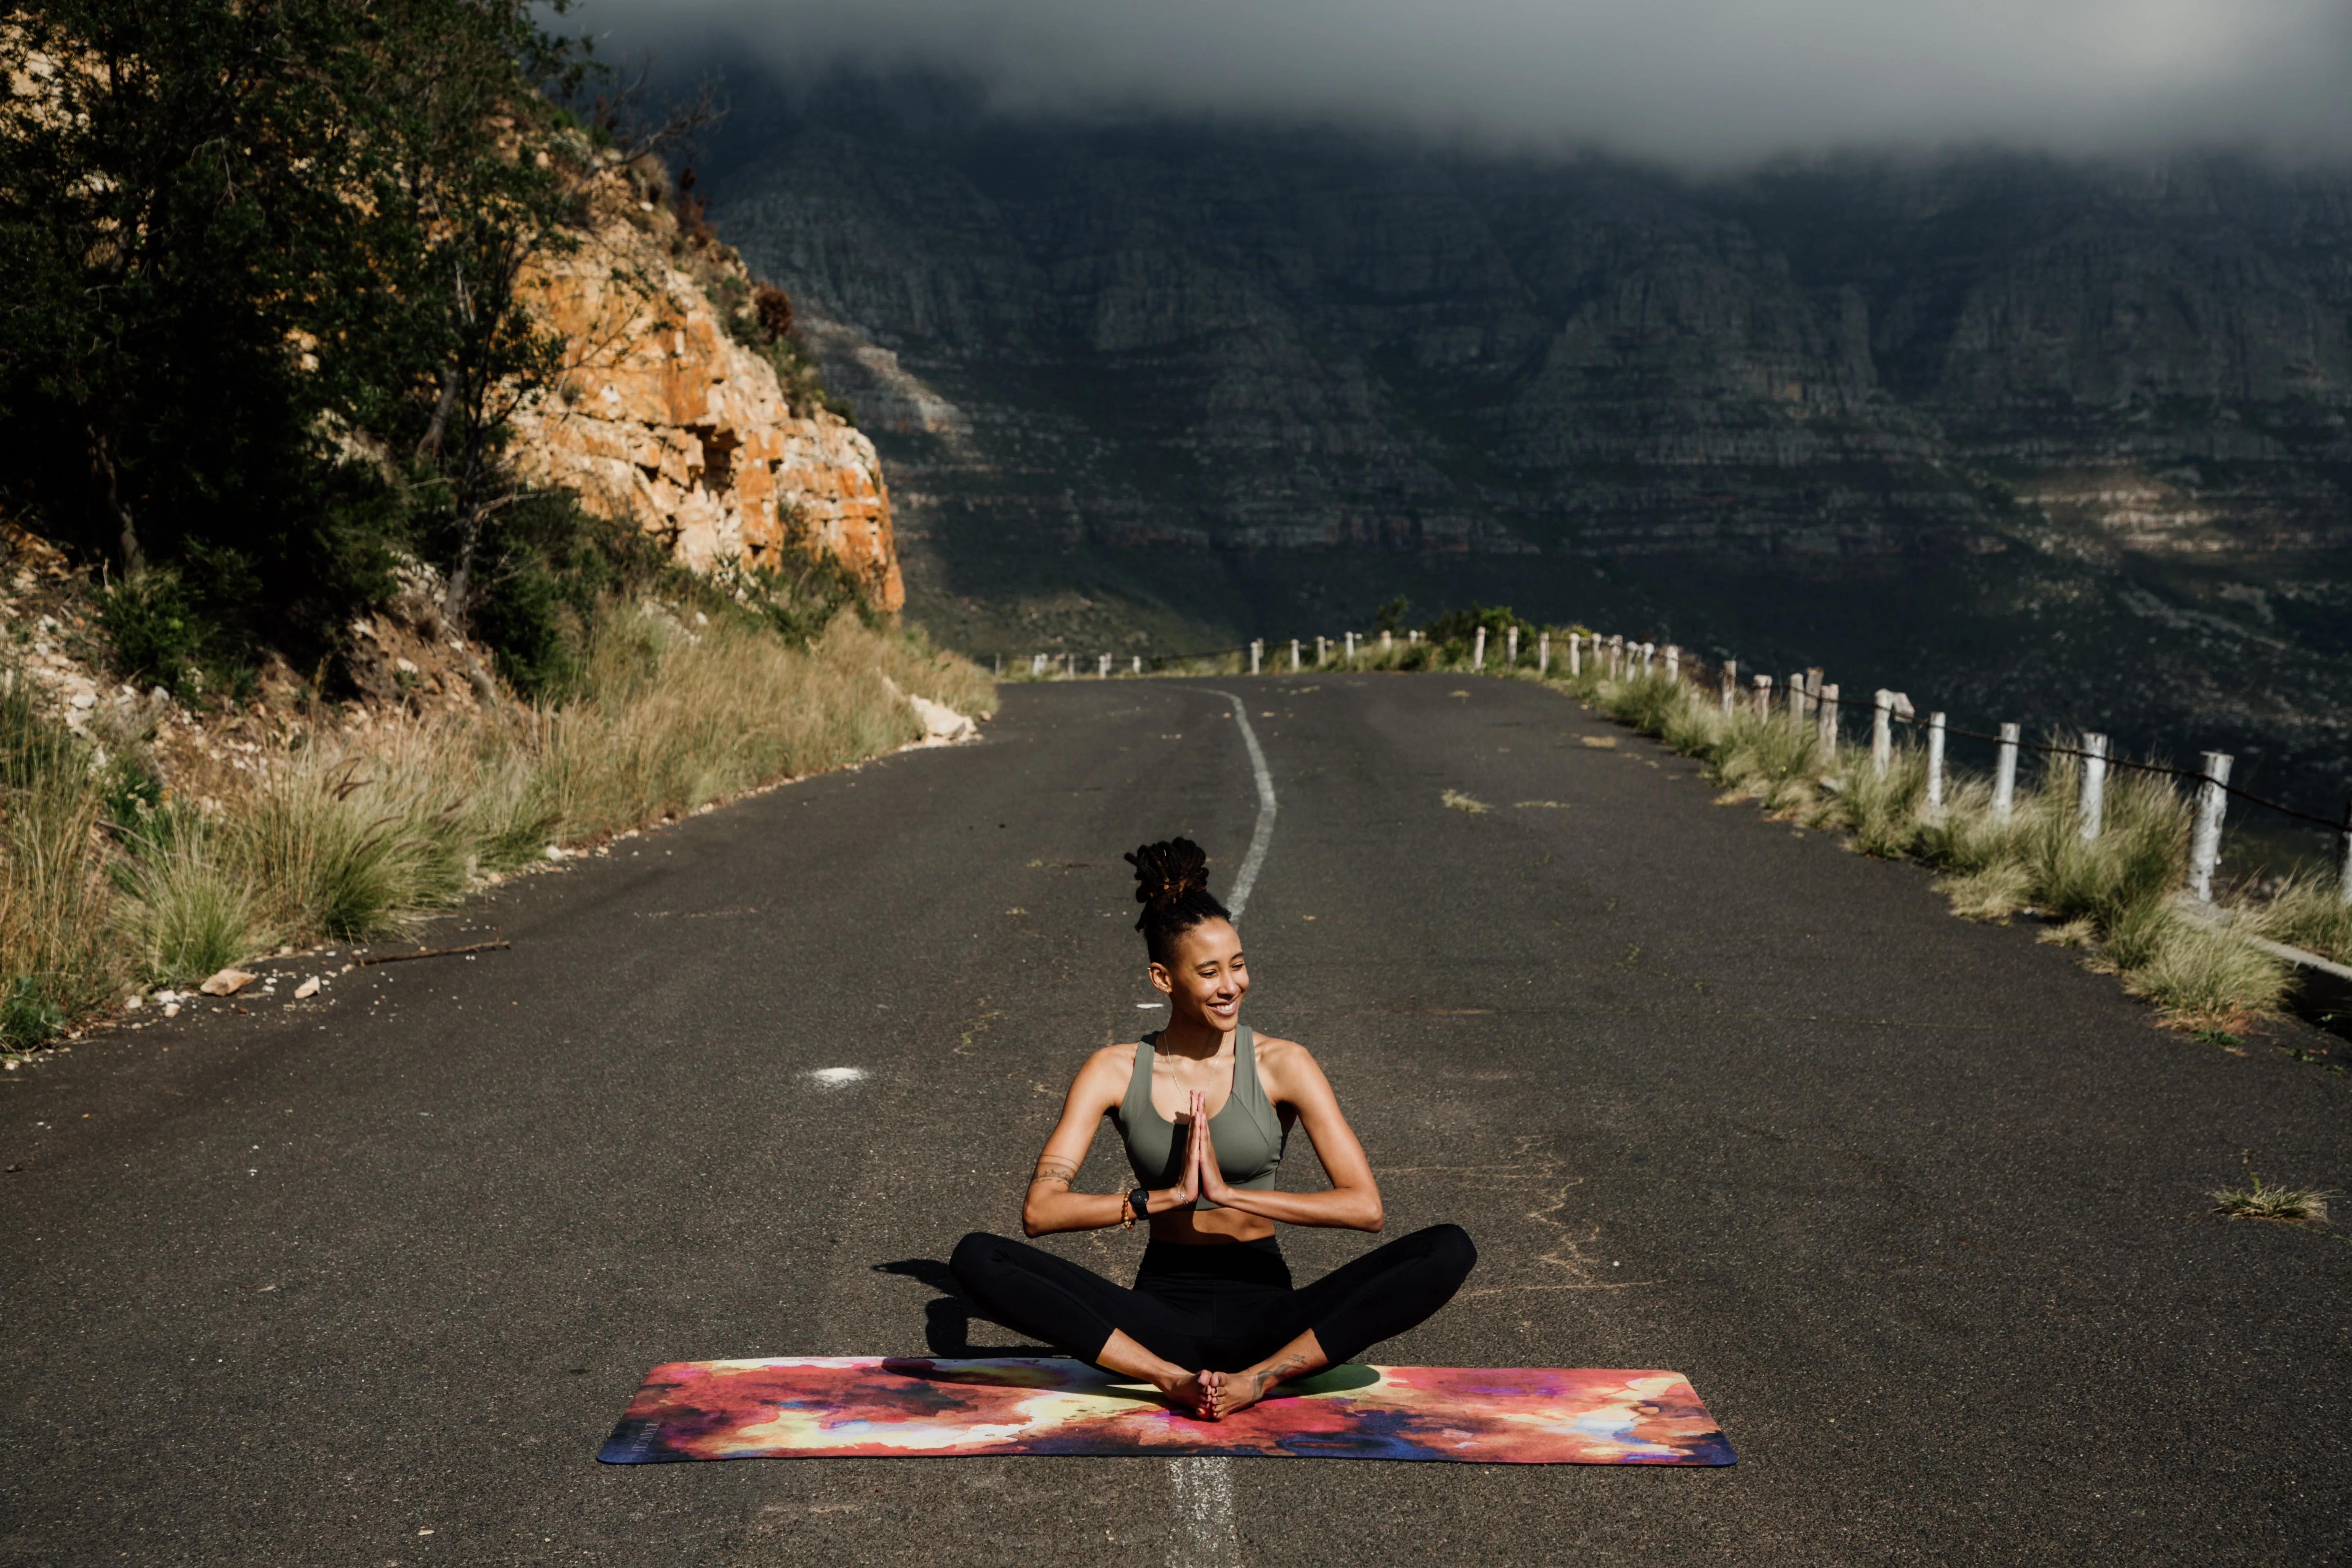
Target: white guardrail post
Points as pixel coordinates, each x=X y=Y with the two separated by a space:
x=2205 y=837
x=2344 y=854
x=2004 y=776
x=1935 y=767
x=2093 y=805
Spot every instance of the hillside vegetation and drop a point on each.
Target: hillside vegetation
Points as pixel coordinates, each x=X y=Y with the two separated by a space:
x=292 y=652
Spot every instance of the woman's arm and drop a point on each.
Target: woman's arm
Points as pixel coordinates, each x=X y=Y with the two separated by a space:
x=1050 y=1205
x=1353 y=1202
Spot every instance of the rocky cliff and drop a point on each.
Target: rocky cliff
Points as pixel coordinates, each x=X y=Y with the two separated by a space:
x=661 y=416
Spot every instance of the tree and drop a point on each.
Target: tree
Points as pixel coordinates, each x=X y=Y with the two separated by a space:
x=261 y=258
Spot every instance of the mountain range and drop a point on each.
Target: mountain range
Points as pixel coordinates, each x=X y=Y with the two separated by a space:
x=2059 y=442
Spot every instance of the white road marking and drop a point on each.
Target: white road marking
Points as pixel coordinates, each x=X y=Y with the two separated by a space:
x=836 y=1077
x=1205 y=1536
x=1263 y=838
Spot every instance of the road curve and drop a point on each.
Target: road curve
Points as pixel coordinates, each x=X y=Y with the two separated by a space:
x=1916 y=1203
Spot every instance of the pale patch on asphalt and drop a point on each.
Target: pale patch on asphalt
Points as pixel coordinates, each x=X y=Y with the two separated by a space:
x=1205 y=1537
x=836 y=1077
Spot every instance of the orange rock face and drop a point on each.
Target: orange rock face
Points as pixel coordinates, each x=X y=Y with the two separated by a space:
x=661 y=418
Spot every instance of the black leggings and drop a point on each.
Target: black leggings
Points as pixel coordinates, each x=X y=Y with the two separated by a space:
x=1216 y=1307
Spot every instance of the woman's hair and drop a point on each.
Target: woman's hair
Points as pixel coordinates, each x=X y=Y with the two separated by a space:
x=1171 y=883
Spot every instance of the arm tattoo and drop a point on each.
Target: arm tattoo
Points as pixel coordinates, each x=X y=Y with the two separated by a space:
x=1054 y=1171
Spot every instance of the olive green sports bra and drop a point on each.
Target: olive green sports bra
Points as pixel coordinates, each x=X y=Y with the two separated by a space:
x=1247 y=1132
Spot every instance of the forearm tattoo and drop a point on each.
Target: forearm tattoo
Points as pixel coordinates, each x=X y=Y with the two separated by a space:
x=1060 y=1170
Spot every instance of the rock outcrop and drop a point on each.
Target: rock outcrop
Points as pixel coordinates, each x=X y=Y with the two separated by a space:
x=661 y=416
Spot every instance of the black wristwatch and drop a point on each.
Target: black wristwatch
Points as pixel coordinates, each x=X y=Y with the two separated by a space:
x=1139 y=1200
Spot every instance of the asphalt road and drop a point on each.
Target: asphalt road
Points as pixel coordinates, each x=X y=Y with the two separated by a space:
x=1918 y=1205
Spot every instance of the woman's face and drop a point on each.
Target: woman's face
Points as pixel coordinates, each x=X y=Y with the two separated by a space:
x=1206 y=977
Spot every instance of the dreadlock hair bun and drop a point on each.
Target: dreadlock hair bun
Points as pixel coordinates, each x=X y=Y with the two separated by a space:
x=1171 y=883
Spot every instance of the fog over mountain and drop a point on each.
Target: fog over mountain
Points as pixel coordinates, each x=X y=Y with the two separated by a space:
x=2000 y=356
x=1701 y=82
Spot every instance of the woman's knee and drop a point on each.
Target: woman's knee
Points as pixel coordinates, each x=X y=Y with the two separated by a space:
x=1451 y=1249
x=976 y=1259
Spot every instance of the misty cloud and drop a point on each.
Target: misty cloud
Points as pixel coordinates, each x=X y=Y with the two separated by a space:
x=1703 y=81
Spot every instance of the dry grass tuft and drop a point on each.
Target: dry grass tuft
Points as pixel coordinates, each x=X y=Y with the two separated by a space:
x=1992 y=892
x=1455 y=799
x=2204 y=977
x=57 y=954
x=2294 y=1206
x=2308 y=912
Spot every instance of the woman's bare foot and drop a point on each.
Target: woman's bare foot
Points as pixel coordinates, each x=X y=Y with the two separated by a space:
x=1234 y=1392
x=1238 y=1391
x=1193 y=1391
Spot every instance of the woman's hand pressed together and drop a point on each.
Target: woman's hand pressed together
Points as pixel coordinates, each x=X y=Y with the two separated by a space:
x=1202 y=1170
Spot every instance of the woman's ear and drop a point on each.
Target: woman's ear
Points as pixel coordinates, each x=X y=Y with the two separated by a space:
x=1163 y=979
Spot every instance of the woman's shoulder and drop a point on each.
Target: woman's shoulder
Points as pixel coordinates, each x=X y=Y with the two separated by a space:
x=1277 y=1055
x=1119 y=1059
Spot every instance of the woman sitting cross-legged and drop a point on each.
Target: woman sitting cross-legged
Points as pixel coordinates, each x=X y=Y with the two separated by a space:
x=1205 y=1108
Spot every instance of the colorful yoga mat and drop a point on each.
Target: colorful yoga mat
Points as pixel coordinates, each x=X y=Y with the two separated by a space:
x=843 y=1406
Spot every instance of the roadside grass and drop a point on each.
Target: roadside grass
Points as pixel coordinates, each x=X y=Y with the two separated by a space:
x=2308 y=912
x=346 y=834
x=57 y=954
x=2256 y=1200
x=2111 y=896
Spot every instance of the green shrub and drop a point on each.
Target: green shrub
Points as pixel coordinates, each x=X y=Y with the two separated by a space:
x=546 y=568
x=27 y=1015
x=1456 y=631
x=156 y=631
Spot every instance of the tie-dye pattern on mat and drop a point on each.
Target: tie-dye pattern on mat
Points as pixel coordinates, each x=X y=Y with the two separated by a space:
x=843 y=1406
